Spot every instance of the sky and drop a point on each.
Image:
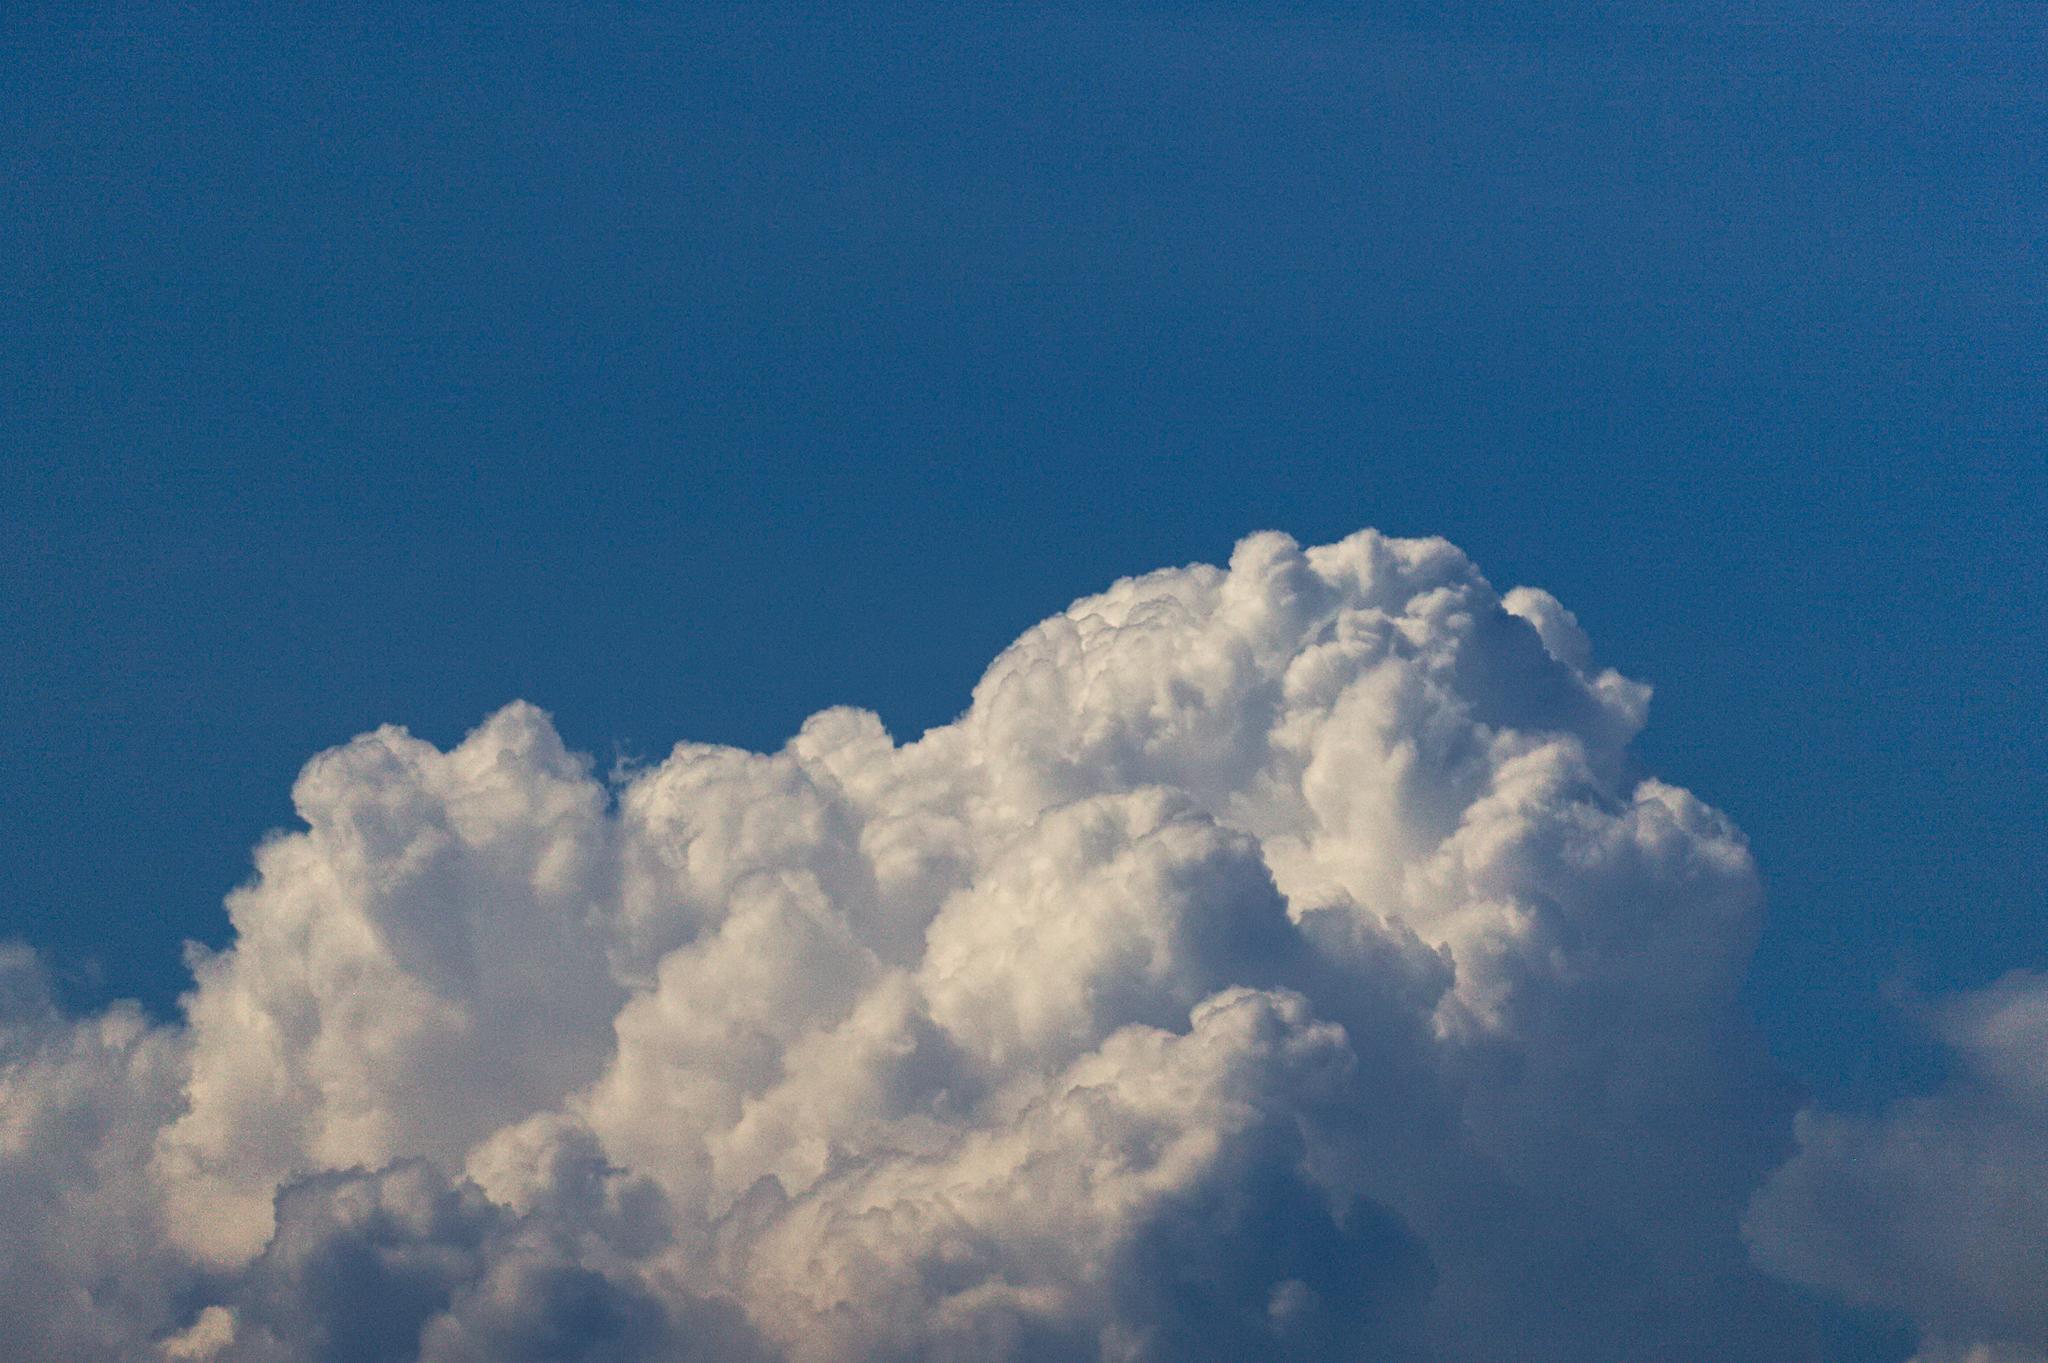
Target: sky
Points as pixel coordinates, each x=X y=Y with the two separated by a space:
x=686 y=371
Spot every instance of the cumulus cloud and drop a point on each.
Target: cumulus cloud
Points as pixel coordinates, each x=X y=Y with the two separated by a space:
x=81 y=1104
x=1937 y=1206
x=1280 y=960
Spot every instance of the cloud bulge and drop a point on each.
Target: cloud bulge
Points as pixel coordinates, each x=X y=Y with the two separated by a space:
x=1286 y=960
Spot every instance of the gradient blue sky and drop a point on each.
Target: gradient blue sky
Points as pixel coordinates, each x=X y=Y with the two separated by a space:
x=686 y=371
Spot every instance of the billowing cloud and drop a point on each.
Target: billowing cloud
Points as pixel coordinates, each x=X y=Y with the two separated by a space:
x=1280 y=961
x=1938 y=1206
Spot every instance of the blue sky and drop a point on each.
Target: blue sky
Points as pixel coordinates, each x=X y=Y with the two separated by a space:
x=686 y=371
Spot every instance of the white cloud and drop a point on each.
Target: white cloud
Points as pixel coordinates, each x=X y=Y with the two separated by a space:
x=1938 y=1206
x=1286 y=960
x=81 y=1102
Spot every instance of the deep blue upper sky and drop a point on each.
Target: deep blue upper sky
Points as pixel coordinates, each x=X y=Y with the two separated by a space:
x=688 y=371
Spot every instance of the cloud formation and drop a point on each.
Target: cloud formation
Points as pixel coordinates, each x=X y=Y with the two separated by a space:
x=1937 y=1206
x=1280 y=961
